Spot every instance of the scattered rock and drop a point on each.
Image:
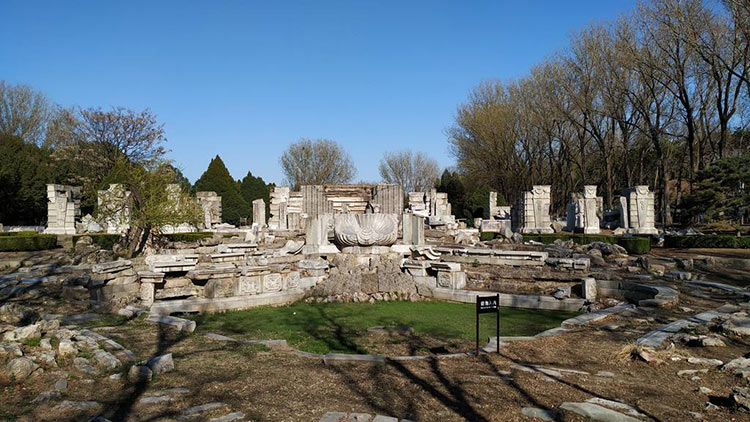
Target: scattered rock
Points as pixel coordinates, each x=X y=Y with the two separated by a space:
x=705 y=361
x=83 y=365
x=161 y=364
x=180 y=324
x=15 y=314
x=66 y=348
x=47 y=396
x=535 y=412
x=80 y=406
x=234 y=416
x=138 y=373
x=61 y=385
x=105 y=360
x=20 y=368
x=740 y=396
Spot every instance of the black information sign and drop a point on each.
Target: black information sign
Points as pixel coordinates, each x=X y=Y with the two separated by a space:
x=486 y=305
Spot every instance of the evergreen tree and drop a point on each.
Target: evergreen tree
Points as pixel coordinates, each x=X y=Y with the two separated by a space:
x=24 y=173
x=217 y=178
x=721 y=190
x=252 y=188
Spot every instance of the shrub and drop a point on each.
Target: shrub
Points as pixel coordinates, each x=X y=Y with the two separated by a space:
x=578 y=238
x=27 y=242
x=103 y=240
x=22 y=233
x=707 y=241
x=635 y=245
x=188 y=237
x=486 y=236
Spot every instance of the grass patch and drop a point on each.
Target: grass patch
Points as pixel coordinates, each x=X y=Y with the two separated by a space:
x=32 y=342
x=336 y=327
x=707 y=241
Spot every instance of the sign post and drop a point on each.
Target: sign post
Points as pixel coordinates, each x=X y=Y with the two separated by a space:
x=486 y=305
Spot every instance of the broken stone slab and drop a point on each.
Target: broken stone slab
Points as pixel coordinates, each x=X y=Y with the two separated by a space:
x=333 y=417
x=705 y=361
x=616 y=405
x=180 y=324
x=737 y=325
x=196 y=410
x=111 y=266
x=537 y=413
x=597 y=413
x=229 y=417
x=20 y=368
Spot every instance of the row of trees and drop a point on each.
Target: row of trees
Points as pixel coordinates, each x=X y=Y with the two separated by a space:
x=653 y=98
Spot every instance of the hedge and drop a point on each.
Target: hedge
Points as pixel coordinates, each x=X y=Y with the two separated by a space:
x=188 y=237
x=486 y=236
x=27 y=242
x=579 y=238
x=635 y=245
x=707 y=241
x=102 y=240
x=22 y=233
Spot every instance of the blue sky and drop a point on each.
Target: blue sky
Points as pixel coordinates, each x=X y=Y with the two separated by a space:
x=244 y=79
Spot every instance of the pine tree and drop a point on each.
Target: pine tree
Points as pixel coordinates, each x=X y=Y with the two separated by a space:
x=252 y=188
x=217 y=178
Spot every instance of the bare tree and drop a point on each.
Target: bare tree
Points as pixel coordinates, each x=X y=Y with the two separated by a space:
x=318 y=162
x=414 y=172
x=24 y=112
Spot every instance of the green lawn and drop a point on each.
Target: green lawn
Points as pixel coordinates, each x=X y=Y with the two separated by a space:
x=335 y=327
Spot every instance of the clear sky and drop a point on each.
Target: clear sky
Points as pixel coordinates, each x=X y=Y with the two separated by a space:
x=244 y=79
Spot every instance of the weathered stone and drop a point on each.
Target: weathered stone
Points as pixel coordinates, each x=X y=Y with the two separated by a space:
x=15 y=314
x=705 y=361
x=47 y=396
x=596 y=412
x=179 y=324
x=83 y=365
x=737 y=325
x=161 y=364
x=138 y=373
x=66 y=348
x=23 y=333
x=20 y=368
x=105 y=360
x=537 y=413
x=61 y=385
x=10 y=349
x=229 y=417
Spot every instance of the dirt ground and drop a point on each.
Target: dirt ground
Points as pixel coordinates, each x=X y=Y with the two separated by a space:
x=278 y=385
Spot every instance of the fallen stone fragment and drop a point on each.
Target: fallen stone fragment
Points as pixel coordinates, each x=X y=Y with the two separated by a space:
x=333 y=417
x=535 y=412
x=83 y=365
x=180 y=324
x=231 y=417
x=597 y=413
x=61 y=385
x=381 y=418
x=47 y=396
x=105 y=360
x=80 y=406
x=741 y=397
x=161 y=364
x=616 y=405
x=359 y=417
x=705 y=361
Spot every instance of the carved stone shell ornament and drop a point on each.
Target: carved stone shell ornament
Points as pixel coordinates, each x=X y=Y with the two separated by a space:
x=365 y=229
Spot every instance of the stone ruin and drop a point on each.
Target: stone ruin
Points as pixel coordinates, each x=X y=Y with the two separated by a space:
x=114 y=209
x=583 y=211
x=210 y=202
x=259 y=213
x=433 y=206
x=531 y=214
x=499 y=217
x=290 y=210
x=637 y=210
x=63 y=209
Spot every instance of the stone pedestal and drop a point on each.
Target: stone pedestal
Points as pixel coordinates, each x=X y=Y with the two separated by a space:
x=637 y=210
x=63 y=209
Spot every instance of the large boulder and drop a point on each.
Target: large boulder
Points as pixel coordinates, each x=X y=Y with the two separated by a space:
x=161 y=364
x=20 y=368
